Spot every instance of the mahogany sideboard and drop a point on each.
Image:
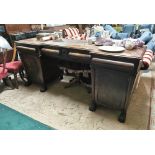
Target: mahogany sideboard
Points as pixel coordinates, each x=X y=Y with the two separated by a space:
x=113 y=75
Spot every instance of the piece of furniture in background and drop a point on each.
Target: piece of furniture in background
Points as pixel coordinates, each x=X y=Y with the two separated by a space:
x=4 y=46
x=81 y=27
x=14 y=67
x=57 y=27
x=150 y=27
x=147 y=59
x=4 y=76
x=115 y=34
x=144 y=28
x=125 y=31
x=146 y=37
x=130 y=29
x=37 y=27
x=149 y=39
x=13 y=33
x=22 y=35
x=3 y=70
x=16 y=28
x=20 y=31
x=73 y=33
x=12 y=64
x=53 y=28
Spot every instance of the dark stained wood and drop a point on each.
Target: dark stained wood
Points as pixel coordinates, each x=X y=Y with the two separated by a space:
x=113 y=74
x=40 y=69
x=84 y=46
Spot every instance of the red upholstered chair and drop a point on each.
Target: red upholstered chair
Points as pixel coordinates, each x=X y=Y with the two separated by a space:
x=3 y=70
x=14 y=67
x=4 y=73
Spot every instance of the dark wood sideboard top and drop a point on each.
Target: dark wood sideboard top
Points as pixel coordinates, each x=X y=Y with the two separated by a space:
x=83 y=47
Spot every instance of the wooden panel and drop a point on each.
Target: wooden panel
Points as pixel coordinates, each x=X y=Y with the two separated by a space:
x=24 y=27
x=14 y=28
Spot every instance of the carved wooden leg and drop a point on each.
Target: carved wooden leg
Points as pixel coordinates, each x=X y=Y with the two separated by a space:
x=61 y=75
x=122 y=116
x=93 y=106
x=1 y=86
x=43 y=88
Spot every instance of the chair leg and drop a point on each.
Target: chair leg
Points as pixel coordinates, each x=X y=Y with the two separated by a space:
x=16 y=80
x=1 y=86
x=10 y=82
x=5 y=82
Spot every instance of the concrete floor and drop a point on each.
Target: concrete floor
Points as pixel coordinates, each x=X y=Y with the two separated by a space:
x=68 y=108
